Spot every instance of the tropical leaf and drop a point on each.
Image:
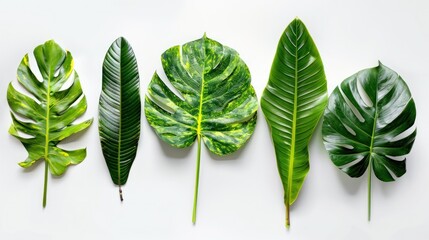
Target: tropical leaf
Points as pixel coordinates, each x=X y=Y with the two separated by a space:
x=293 y=102
x=212 y=100
x=119 y=110
x=368 y=124
x=47 y=114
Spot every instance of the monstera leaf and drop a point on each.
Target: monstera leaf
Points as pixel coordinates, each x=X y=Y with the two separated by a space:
x=119 y=110
x=368 y=125
x=47 y=114
x=293 y=102
x=212 y=100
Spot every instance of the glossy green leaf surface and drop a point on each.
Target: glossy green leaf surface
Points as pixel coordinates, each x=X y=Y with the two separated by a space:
x=120 y=110
x=211 y=99
x=47 y=113
x=293 y=102
x=368 y=125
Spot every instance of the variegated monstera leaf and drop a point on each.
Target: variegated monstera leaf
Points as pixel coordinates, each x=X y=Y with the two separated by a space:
x=48 y=113
x=212 y=99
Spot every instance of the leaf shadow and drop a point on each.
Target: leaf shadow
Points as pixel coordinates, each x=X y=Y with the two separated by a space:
x=351 y=185
x=173 y=153
x=387 y=188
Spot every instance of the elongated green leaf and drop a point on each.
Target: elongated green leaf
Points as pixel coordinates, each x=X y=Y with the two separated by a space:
x=215 y=101
x=48 y=113
x=368 y=124
x=293 y=102
x=119 y=110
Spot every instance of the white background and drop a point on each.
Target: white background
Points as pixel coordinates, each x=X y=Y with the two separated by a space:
x=241 y=196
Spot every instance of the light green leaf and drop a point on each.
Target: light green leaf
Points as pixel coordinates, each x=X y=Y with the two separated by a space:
x=368 y=124
x=215 y=100
x=47 y=115
x=120 y=110
x=293 y=102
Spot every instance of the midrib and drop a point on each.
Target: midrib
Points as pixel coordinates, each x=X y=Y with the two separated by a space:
x=295 y=102
x=200 y=110
x=374 y=126
x=371 y=147
x=120 y=116
x=48 y=106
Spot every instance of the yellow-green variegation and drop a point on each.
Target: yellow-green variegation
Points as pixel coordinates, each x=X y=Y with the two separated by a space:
x=293 y=102
x=47 y=114
x=213 y=100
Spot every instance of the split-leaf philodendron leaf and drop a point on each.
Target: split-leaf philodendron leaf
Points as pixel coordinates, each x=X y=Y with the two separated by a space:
x=293 y=102
x=47 y=113
x=369 y=125
x=213 y=100
x=120 y=110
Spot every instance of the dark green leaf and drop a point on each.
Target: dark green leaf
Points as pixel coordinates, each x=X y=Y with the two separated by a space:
x=368 y=124
x=293 y=102
x=119 y=110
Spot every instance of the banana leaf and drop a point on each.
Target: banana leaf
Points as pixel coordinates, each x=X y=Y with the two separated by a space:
x=293 y=102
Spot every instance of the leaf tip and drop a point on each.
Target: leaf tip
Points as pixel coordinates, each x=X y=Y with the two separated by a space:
x=10 y=85
x=51 y=42
x=12 y=130
x=297 y=20
x=121 y=39
x=25 y=59
x=26 y=163
x=89 y=121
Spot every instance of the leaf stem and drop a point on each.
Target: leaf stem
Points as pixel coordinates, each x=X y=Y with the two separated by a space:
x=197 y=179
x=369 y=193
x=45 y=185
x=287 y=215
x=120 y=193
x=47 y=128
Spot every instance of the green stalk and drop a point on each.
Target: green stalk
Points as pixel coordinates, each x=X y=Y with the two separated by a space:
x=120 y=194
x=287 y=215
x=48 y=107
x=45 y=185
x=371 y=147
x=369 y=193
x=197 y=179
